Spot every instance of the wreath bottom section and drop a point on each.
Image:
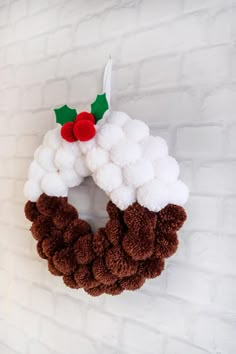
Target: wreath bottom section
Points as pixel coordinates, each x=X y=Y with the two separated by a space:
x=129 y=249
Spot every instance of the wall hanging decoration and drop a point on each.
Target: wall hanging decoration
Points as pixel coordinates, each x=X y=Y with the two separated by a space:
x=145 y=207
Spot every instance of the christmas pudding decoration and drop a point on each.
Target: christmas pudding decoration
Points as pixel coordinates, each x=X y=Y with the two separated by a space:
x=145 y=207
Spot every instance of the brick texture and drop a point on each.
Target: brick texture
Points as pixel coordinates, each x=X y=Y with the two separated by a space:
x=174 y=68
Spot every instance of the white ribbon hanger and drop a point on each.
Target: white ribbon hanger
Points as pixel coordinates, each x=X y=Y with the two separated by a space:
x=107 y=80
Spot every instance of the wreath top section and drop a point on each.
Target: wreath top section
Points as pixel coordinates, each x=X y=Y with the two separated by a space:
x=121 y=155
x=81 y=126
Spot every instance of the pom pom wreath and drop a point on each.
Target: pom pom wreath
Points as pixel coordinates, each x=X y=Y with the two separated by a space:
x=120 y=256
x=108 y=177
x=53 y=184
x=67 y=132
x=166 y=169
x=84 y=130
x=136 y=130
x=96 y=158
x=125 y=152
x=154 y=147
x=109 y=135
x=138 y=173
x=85 y=116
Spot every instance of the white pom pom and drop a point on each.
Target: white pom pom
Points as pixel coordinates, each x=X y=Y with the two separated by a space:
x=53 y=185
x=154 y=147
x=108 y=135
x=153 y=195
x=136 y=130
x=123 y=196
x=81 y=167
x=178 y=193
x=96 y=158
x=138 y=173
x=108 y=177
x=53 y=138
x=45 y=157
x=166 y=169
x=125 y=152
x=36 y=172
x=64 y=159
x=72 y=148
x=71 y=178
x=32 y=190
x=118 y=118
x=86 y=146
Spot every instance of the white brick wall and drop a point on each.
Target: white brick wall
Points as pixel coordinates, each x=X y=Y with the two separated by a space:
x=175 y=68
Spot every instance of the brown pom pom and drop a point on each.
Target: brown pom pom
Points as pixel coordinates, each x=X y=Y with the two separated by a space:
x=139 y=245
x=83 y=249
x=41 y=227
x=49 y=206
x=52 y=244
x=67 y=215
x=120 y=256
x=133 y=216
x=132 y=283
x=64 y=261
x=171 y=218
x=114 y=289
x=70 y=281
x=151 y=268
x=113 y=211
x=84 y=277
x=101 y=272
x=114 y=231
x=100 y=242
x=119 y=263
x=52 y=268
x=40 y=250
x=31 y=211
x=165 y=248
x=76 y=228
x=97 y=291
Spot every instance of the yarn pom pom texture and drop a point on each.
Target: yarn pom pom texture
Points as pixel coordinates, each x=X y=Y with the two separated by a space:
x=140 y=178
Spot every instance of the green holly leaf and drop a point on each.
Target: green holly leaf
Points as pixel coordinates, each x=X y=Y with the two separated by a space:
x=65 y=114
x=99 y=107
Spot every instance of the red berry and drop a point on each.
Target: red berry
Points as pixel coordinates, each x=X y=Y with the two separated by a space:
x=84 y=130
x=85 y=116
x=67 y=132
